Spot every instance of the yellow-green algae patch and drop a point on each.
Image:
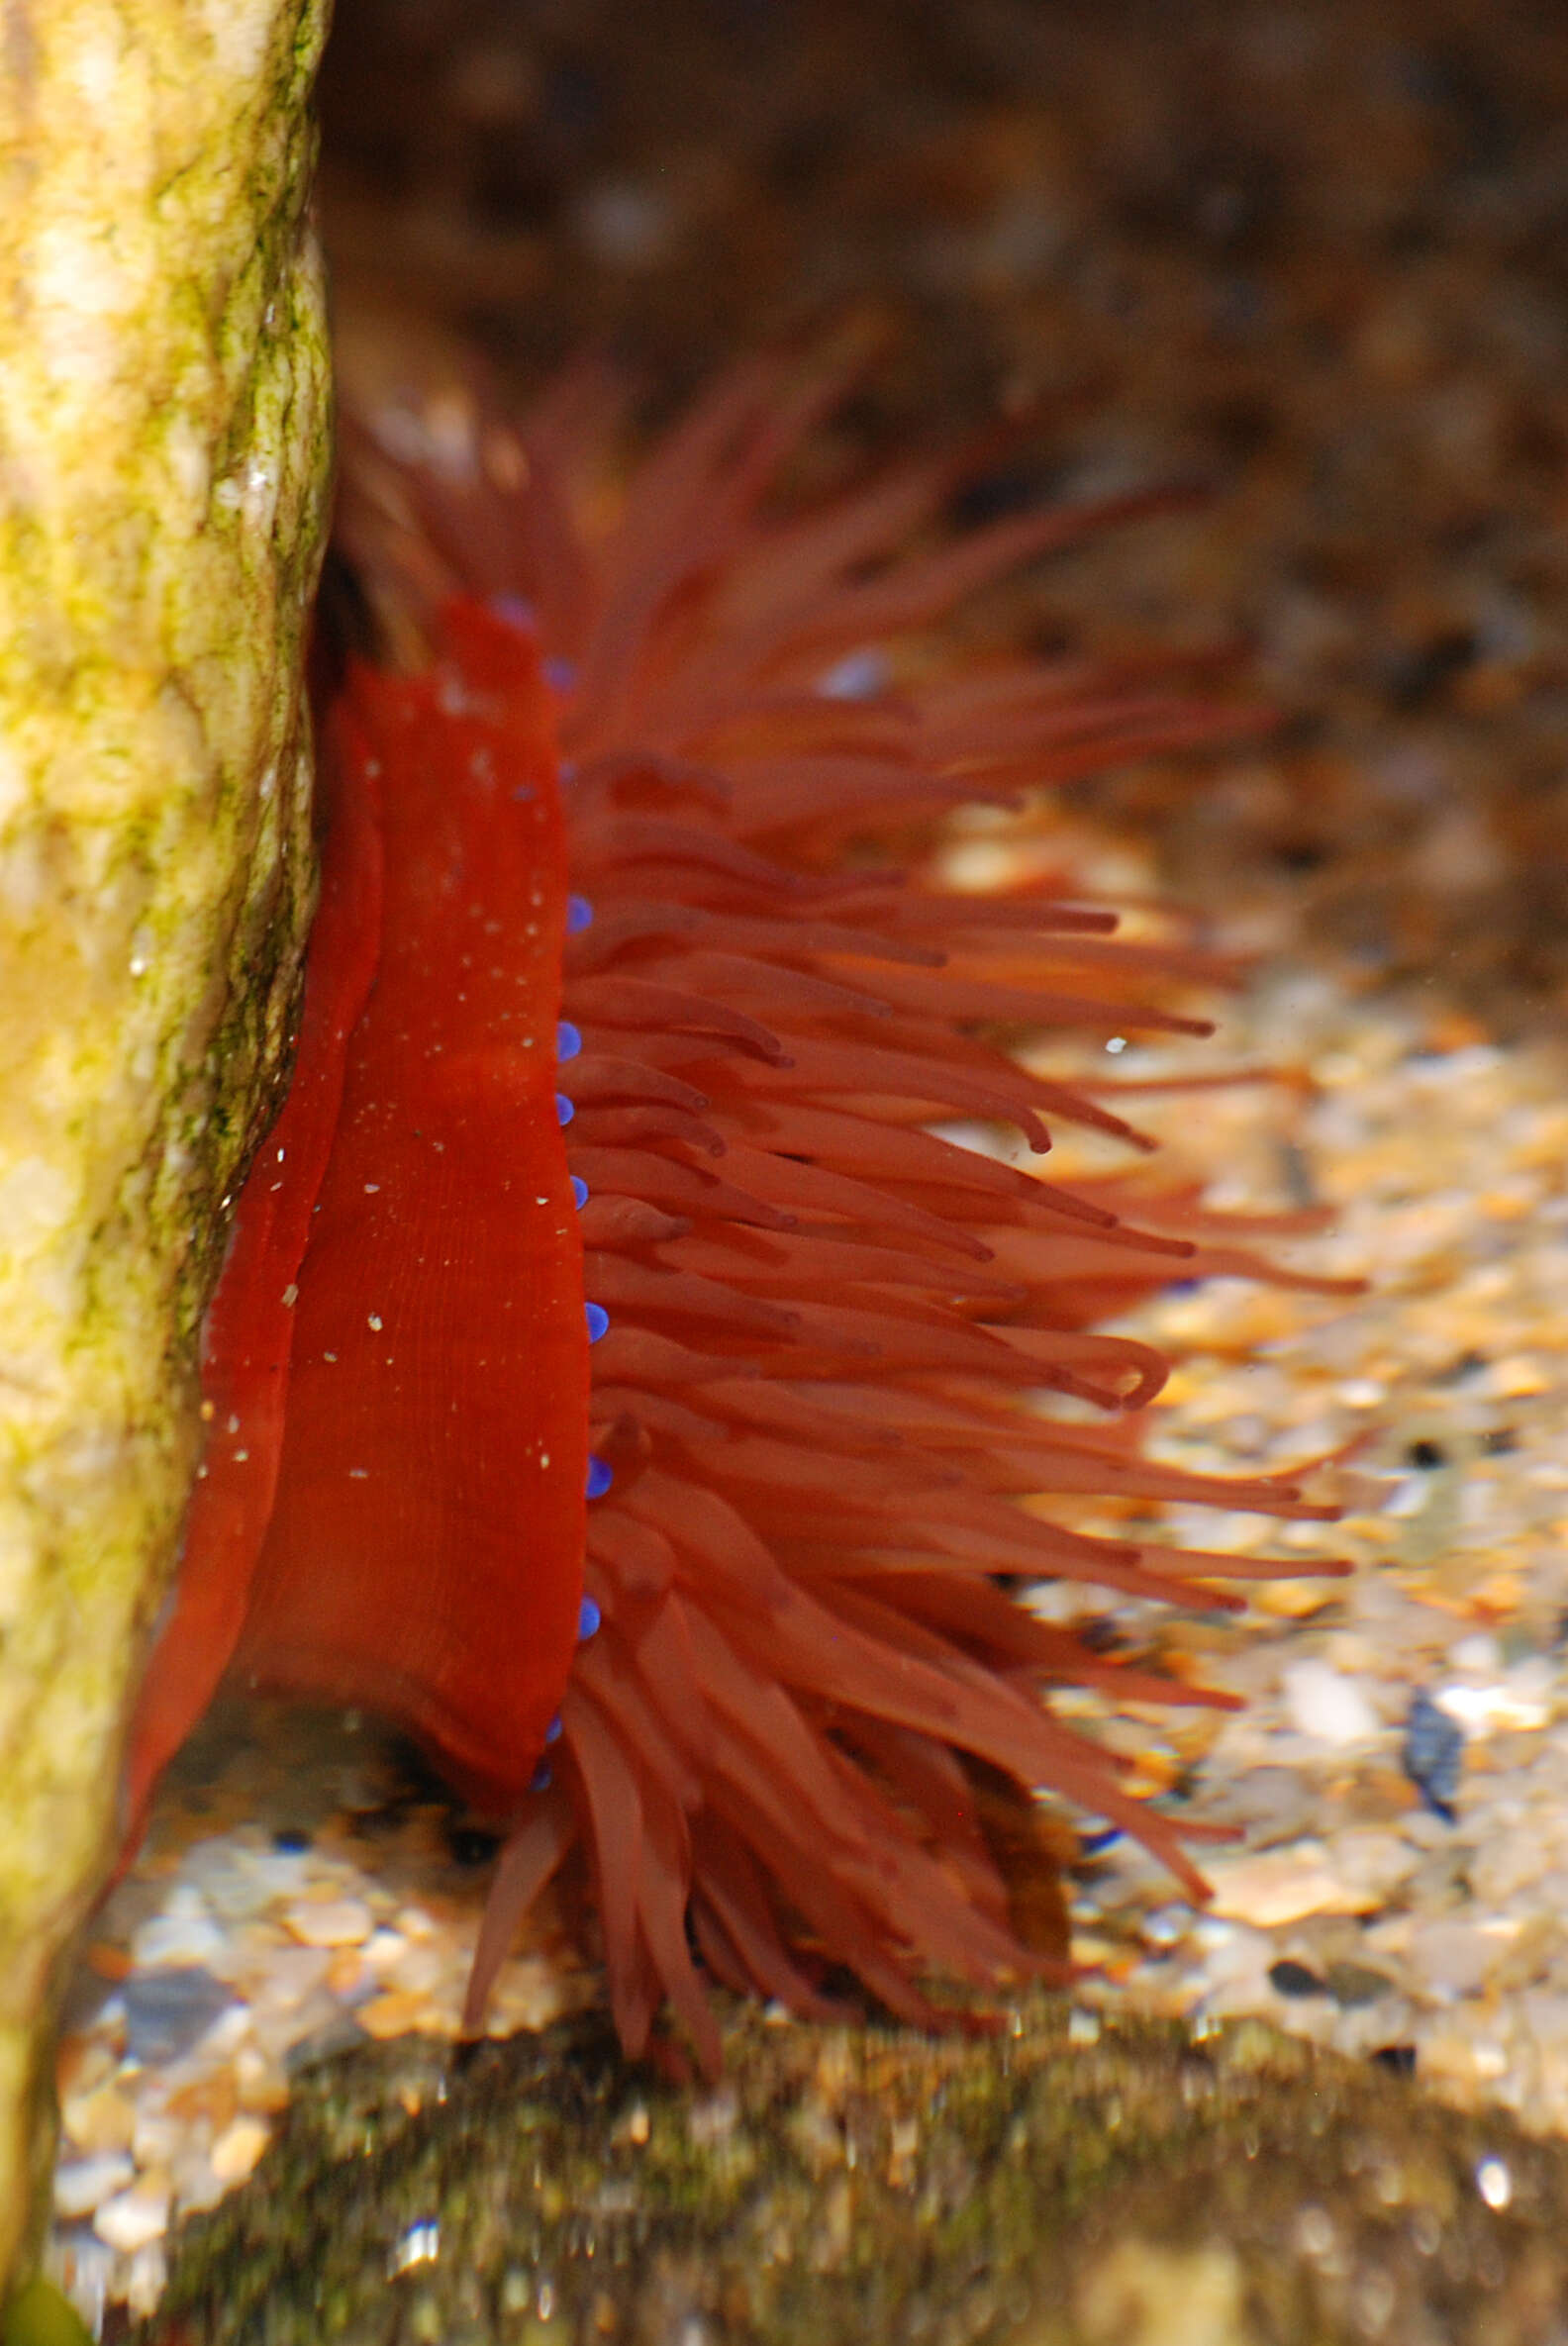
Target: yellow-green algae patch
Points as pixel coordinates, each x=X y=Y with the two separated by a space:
x=163 y=456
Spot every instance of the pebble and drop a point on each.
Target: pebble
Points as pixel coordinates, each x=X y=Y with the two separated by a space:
x=1433 y=1754
x=1289 y=1978
x=1325 y=1705
x=185 y=1938
x=1283 y=1886
x=1350 y=1911
x=334 y=1923
x=1374 y=1860
x=237 y=2149
x=103 y=2119
x=134 y=2219
x=169 y=2009
x=81 y=2185
x=1356 y=1984
x=1436 y=1929
x=290 y=1978
x=393 y=2014
x=147 y=2272
x=1455 y=1958
x=420 y=1970
x=1514 y=1705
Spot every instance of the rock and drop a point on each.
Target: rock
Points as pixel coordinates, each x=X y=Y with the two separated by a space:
x=331 y=1922
x=1355 y=1984
x=1270 y=1886
x=170 y=2010
x=81 y=2185
x=134 y=2219
x=163 y=449
x=237 y=2149
x=1328 y=1706
x=102 y=2121
x=1051 y=2186
x=176 y=1939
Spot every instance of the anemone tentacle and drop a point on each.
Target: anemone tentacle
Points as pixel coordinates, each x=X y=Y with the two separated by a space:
x=828 y=1323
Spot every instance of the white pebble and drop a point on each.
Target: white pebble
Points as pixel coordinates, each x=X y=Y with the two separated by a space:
x=1508 y=1709
x=1275 y=1886
x=237 y=2149
x=1328 y=1706
x=418 y=1968
x=191 y=1937
x=84 y=2268
x=227 y=2033
x=1371 y=1858
x=196 y=2188
x=133 y=2220
x=81 y=2185
x=1456 y=1958
x=185 y=1897
x=1239 y=1960
x=1409 y=1495
x=334 y=1923
x=157 y=2138
x=1450 y=2050
x=1494 y=2182
x=292 y=1976
x=145 y=2282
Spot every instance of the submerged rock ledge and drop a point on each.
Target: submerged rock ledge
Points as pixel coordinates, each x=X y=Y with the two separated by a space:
x=1076 y=2180
x=164 y=395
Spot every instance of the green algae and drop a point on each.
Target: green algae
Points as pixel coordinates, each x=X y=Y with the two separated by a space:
x=165 y=437
x=38 y=2316
x=1077 y=2180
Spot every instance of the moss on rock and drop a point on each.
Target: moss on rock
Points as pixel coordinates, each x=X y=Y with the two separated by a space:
x=163 y=467
x=1083 y=2181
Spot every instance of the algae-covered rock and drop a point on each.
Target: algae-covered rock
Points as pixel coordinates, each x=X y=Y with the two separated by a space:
x=163 y=451
x=1082 y=2181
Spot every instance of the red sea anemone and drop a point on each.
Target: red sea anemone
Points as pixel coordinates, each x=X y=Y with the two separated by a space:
x=724 y=1354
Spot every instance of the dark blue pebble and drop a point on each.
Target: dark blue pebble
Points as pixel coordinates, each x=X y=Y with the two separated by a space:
x=568 y=1043
x=600 y=1478
x=588 y=1619
x=579 y=912
x=579 y=1192
x=1432 y=1754
x=598 y=1319
x=1103 y=1837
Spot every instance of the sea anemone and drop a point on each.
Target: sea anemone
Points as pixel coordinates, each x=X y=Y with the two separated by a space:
x=699 y=1450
